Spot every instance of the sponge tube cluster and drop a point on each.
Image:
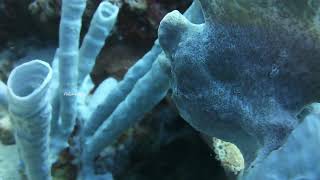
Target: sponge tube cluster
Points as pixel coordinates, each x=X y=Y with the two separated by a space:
x=30 y=97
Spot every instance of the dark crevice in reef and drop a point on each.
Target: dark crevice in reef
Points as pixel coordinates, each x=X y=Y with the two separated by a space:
x=186 y=158
x=162 y=146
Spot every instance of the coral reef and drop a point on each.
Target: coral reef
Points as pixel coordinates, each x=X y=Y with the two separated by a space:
x=45 y=8
x=231 y=77
x=12 y=17
x=139 y=20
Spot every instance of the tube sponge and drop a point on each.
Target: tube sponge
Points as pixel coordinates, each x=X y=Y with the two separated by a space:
x=70 y=24
x=147 y=92
x=54 y=94
x=30 y=112
x=102 y=91
x=101 y=24
x=118 y=94
x=3 y=96
x=69 y=33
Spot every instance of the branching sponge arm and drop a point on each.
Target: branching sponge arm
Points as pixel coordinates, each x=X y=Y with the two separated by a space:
x=101 y=25
x=147 y=93
x=118 y=94
x=30 y=112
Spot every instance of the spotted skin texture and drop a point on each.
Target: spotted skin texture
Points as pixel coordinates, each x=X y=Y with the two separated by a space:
x=241 y=82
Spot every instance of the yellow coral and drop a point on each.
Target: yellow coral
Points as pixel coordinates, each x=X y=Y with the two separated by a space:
x=229 y=155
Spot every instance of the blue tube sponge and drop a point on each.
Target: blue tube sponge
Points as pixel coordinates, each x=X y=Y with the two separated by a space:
x=3 y=96
x=118 y=94
x=70 y=26
x=54 y=93
x=101 y=24
x=102 y=91
x=147 y=92
x=194 y=14
x=30 y=112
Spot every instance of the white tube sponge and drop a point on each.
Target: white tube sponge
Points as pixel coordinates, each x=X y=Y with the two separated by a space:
x=70 y=26
x=147 y=93
x=101 y=24
x=30 y=112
